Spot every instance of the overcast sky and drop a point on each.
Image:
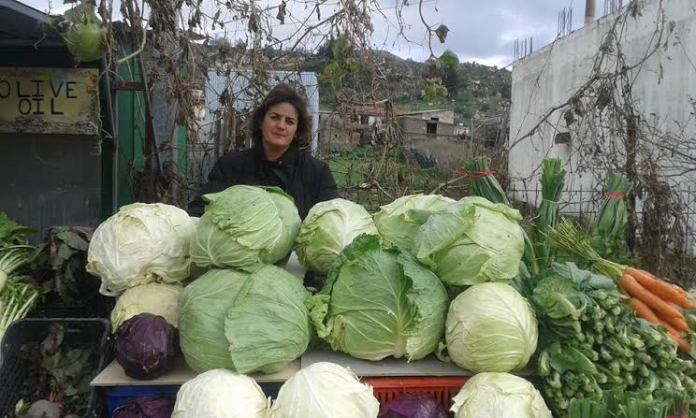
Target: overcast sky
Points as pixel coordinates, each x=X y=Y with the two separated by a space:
x=480 y=30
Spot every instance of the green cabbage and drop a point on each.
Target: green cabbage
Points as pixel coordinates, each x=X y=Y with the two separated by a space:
x=221 y=394
x=246 y=322
x=142 y=243
x=399 y=221
x=499 y=395
x=244 y=226
x=155 y=298
x=476 y=241
x=325 y=390
x=491 y=328
x=379 y=303
x=329 y=227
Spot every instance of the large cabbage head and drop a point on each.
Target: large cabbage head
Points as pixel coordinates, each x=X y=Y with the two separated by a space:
x=499 y=395
x=246 y=322
x=379 y=303
x=329 y=227
x=244 y=226
x=325 y=390
x=155 y=298
x=221 y=394
x=399 y=221
x=491 y=328
x=142 y=243
x=476 y=241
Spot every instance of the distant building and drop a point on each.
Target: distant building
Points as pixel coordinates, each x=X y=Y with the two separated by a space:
x=461 y=129
x=413 y=127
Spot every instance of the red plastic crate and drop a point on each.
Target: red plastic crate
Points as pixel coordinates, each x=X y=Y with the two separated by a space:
x=442 y=389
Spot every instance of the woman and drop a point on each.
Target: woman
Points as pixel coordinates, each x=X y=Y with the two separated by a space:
x=281 y=131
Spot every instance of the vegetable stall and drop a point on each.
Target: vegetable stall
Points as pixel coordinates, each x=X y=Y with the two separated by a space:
x=429 y=308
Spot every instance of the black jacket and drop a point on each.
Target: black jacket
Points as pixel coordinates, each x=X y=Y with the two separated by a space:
x=305 y=178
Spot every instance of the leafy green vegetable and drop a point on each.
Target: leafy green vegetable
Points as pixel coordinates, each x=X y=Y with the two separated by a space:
x=552 y=182
x=491 y=328
x=399 y=221
x=499 y=395
x=67 y=256
x=476 y=241
x=592 y=343
x=244 y=226
x=585 y=279
x=245 y=322
x=155 y=298
x=379 y=303
x=12 y=233
x=203 y=308
x=142 y=243
x=613 y=217
x=329 y=227
x=268 y=325
x=59 y=371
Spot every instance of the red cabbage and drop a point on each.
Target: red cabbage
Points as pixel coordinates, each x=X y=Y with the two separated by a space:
x=146 y=407
x=412 y=405
x=146 y=344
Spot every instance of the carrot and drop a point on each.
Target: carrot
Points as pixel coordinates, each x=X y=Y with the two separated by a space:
x=661 y=308
x=679 y=324
x=660 y=288
x=643 y=311
x=675 y=335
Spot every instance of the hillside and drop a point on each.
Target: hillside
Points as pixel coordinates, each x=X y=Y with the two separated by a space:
x=475 y=90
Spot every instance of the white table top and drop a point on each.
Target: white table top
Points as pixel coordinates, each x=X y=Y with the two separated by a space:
x=388 y=367
x=113 y=375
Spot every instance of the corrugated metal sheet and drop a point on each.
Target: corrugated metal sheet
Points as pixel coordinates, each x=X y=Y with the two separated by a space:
x=49 y=180
x=235 y=86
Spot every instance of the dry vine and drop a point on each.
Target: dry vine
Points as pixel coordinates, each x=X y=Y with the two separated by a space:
x=610 y=133
x=175 y=44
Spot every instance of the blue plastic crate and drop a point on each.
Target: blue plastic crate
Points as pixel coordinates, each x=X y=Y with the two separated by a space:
x=118 y=396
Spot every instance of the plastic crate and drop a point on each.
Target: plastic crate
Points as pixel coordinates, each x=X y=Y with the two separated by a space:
x=119 y=396
x=97 y=306
x=14 y=369
x=442 y=389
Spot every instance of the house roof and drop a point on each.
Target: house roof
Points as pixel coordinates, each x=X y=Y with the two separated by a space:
x=22 y=24
x=423 y=120
x=419 y=112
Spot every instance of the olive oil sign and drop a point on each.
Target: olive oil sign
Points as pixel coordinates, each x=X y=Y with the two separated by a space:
x=49 y=101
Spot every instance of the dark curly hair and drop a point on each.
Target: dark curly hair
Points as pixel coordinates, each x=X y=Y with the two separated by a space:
x=283 y=93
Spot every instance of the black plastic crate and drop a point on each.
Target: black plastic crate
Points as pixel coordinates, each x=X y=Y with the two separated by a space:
x=97 y=306
x=78 y=331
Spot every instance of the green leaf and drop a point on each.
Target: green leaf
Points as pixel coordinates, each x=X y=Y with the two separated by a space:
x=567 y=358
x=10 y=232
x=268 y=325
x=559 y=298
x=73 y=240
x=584 y=278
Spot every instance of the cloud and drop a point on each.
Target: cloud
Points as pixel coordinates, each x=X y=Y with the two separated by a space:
x=484 y=31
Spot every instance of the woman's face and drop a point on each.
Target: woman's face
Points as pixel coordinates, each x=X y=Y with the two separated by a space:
x=279 y=127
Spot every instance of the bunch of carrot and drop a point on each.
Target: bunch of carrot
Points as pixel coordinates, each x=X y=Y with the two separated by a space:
x=654 y=300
